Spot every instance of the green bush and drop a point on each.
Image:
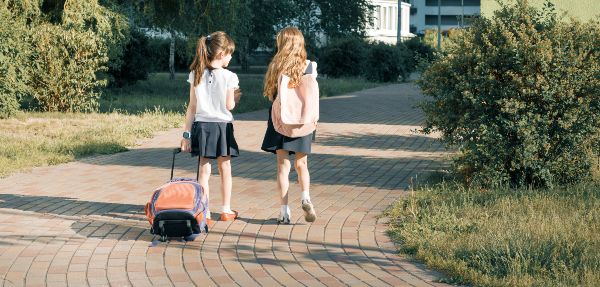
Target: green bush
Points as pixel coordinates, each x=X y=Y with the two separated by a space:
x=52 y=53
x=419 y=52
x=136 y=61
x=344 y=58
x=385 y=63
x=105 y=21
x=377 y=61
x=14 y=49
x=159 y=53
x=519 y=96
x=63 y=68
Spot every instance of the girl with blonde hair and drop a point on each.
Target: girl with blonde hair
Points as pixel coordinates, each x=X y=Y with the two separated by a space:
x=289 y=61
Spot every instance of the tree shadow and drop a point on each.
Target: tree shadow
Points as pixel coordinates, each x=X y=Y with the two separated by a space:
x=384 y=142
x=326 y=169
x=387 y=105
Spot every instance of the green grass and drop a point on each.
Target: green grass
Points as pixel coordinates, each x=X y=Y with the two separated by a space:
x=126 y=116
x=173 y=95
x=503 y=237
x=40 y=139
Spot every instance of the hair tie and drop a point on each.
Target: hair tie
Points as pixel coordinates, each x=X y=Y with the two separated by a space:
x=208 y=37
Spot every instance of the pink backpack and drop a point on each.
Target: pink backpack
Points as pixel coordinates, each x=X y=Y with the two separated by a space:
x=296 y=110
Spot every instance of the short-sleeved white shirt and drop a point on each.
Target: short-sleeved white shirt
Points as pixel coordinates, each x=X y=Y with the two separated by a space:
x=211 y=95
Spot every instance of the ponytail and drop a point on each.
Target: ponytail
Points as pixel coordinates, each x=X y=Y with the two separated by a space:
x=200 y=60
x=206 y=50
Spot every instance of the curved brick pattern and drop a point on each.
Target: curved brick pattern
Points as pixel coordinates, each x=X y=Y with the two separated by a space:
x=82 y=223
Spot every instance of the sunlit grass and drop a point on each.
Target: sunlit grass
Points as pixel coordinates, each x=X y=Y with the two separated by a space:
x=503 y=237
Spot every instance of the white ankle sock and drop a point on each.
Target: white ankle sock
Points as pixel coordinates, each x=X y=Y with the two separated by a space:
x=227 y=209
x=207 y=213
x=305 y=195
x=285 y=209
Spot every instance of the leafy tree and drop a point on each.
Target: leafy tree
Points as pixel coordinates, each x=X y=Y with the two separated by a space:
x=174 y=16
x=268 y=17
x=519 y=96
x=235 y=18
x=56 y=48
x=15 y=50
x=342 y=19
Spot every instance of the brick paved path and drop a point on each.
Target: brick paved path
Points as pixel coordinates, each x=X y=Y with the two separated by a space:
x=82 y=223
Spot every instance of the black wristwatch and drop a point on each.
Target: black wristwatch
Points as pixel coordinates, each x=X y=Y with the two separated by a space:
x=187 y=135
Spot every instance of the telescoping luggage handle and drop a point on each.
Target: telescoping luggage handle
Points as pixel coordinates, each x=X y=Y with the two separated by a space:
x=175 y=152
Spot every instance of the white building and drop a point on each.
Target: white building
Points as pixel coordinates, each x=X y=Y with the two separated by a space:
x=424 y=14
x=385 y=27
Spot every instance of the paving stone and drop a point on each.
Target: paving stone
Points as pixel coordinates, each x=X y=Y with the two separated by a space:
x=83 y=224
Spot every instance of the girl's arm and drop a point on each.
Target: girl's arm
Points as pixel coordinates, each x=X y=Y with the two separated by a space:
x=191 y=110
x=189 y=119
x=230 y=100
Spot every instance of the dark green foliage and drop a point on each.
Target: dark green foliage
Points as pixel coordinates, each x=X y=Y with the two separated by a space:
x=343 y=19
x=375 y=61
x=519 y=96
x=378 y=62
x=268 y=16
x=420 y=52
x=343 y=58
x=335 y=19
x=137 y=62
x=158 y=50
x=385 y=63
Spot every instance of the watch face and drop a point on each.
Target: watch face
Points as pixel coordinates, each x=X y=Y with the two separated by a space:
x=186 y=135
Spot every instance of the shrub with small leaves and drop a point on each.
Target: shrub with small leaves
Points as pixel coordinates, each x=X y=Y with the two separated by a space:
x=385 y=63
x=519 y=95
x=14 y=50
x=343 y=58
x=63 y=68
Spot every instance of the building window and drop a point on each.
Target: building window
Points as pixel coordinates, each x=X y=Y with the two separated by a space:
x=384 y=18
x=377 y=16
x=452 y=20
x=453 y=2
x=391 y=20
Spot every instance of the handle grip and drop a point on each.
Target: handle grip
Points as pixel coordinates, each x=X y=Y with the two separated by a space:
x=175 y=152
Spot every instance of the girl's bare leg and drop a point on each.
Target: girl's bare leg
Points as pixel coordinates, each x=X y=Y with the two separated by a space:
x=224 y=164
x=283 y=173
x=301 y=166
x=283 y=182
x=205 y=170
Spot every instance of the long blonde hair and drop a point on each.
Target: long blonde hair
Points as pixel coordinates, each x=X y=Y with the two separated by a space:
x=207 y=48
x=290 y=60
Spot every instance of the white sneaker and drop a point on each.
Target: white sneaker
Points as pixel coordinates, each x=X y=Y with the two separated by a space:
x=284 y=218
x=309 y=211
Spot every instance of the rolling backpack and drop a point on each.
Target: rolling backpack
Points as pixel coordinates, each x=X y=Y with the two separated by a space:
x=178 y=208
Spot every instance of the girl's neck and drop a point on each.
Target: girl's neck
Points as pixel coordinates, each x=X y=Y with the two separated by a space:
x=216 y=64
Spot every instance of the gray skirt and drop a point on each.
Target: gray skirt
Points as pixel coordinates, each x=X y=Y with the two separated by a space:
x=213 y=139
x=274 y=141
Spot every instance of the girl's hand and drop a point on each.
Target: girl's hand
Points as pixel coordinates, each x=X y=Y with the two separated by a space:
x=237 y=93
x=185 y=145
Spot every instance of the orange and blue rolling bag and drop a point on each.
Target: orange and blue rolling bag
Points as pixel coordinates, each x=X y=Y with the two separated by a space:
x=178 y=208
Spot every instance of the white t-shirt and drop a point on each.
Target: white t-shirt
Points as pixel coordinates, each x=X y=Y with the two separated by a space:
x=211 y=95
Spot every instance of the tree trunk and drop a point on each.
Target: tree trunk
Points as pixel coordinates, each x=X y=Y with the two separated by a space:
x=244 y=57
x=172 y=56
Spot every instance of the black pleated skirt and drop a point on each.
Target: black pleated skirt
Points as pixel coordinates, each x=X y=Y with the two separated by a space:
x=213 y=139
x=274 y=141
